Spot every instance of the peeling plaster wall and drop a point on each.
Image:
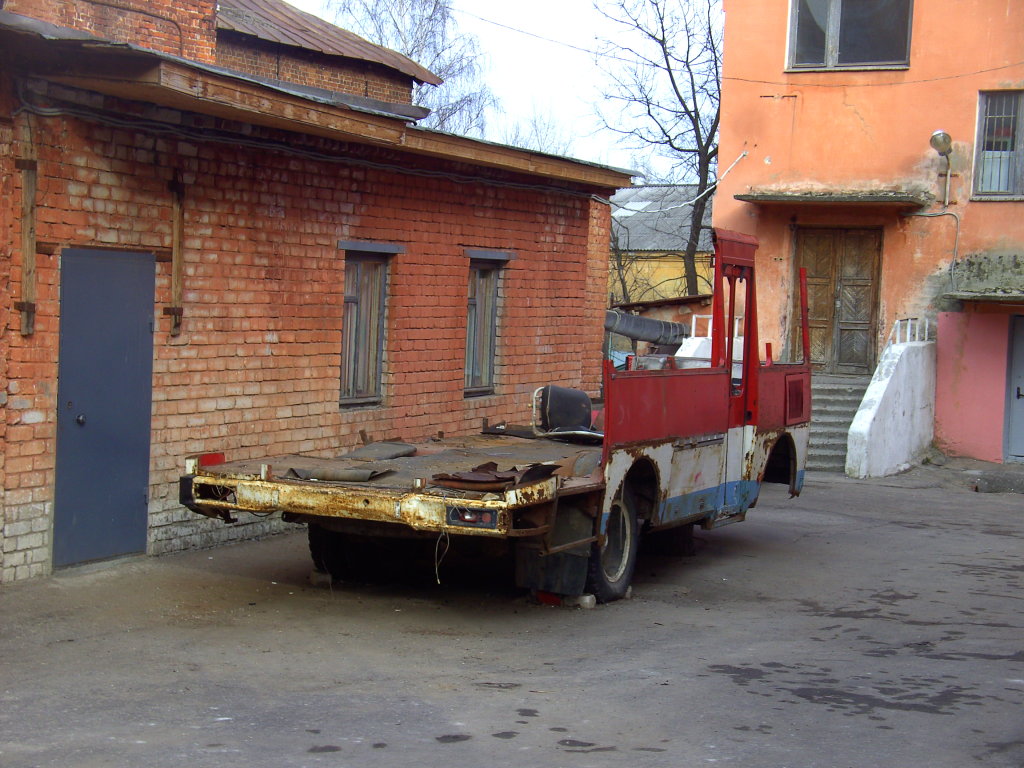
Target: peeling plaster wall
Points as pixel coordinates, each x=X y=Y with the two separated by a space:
x=848 y=131
x=893 y=427
x=991 y=273
x=865 y=130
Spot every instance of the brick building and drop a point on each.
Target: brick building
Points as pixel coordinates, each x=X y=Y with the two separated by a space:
x=223 y=231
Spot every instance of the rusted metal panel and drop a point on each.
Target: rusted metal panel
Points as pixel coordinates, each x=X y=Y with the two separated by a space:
x=785 y=396
x=426 y=510
x=735 y=248
x=643 y=406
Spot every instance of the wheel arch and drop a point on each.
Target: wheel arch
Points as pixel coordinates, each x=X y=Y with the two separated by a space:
x=641 y=488
x=781 y=463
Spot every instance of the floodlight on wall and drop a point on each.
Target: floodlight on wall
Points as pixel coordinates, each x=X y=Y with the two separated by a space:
x=942 y=143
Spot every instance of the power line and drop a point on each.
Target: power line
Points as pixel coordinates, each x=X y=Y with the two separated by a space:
x=587 y=51
x=797 y=84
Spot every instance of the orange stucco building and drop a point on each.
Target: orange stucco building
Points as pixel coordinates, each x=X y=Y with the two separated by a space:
x=832 y=105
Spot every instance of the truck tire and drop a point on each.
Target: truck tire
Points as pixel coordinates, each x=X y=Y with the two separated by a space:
x=328 y=550
x=611 y=566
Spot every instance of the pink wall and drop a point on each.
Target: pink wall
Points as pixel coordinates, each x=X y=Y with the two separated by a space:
x=970 y=384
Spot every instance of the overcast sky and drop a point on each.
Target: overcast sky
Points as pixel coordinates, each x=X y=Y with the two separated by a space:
x=531 y=75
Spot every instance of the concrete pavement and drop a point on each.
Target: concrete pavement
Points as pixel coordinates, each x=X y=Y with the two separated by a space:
x=868 y=623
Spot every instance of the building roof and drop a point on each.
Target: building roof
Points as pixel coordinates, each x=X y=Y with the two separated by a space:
x=673 y=301
x=128 y=71
x=657 y=218
x=280 y=22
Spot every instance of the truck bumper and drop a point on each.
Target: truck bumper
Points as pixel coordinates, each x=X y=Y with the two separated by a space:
x=431 y=509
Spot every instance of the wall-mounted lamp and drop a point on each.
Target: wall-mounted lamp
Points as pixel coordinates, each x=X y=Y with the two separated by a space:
x=942 y=143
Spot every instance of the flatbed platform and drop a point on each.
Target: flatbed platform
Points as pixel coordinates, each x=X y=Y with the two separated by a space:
x=434 y=457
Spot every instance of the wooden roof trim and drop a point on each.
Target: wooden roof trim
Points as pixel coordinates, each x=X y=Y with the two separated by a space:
x=177 y=84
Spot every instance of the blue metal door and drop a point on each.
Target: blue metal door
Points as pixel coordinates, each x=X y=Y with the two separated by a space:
x=104 y=401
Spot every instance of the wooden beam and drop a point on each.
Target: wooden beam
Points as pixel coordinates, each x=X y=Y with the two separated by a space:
x=176 y=310
x=28 y=165
x=192 y=89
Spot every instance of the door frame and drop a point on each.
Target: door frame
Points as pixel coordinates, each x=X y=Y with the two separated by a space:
x=876 y=288
x=145 y=260
x=1011 y=338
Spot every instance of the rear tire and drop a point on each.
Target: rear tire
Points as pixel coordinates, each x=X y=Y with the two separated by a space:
x=613 y=561
x=329 y=550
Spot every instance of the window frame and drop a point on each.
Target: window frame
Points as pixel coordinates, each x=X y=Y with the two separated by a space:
x=481 y=351
x=832 y=37
x=1016 y=159
x=349 y=395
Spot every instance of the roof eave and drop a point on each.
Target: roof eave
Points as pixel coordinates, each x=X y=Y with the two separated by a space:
x=898 y=199
x=189 y=87
x=1009 y=299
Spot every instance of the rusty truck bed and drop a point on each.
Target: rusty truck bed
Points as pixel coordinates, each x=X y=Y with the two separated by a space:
x=406 y=489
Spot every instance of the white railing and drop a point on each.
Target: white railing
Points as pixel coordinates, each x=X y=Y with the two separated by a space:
x=700 y=326
x=909 y=329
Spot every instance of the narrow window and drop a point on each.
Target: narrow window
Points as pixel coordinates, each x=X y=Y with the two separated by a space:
x=481 y=326
x=485 y=270
x=837 y=34
x=1000 y=161
x=363 y=329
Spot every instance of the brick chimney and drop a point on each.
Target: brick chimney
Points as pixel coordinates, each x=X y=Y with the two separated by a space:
x=185 y=28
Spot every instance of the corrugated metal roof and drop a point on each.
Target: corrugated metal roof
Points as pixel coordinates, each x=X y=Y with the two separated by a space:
x=279 y=22
x=657 y=218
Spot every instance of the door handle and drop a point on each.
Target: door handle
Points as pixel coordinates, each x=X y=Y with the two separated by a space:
x=1019 y=393
x=80 y=419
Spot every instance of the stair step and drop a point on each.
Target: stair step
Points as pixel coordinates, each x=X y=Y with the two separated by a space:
x=834 y=404
x=834 y=414
x=841 y=468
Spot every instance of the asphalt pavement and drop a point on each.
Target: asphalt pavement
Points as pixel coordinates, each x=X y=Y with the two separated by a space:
x=865 y=624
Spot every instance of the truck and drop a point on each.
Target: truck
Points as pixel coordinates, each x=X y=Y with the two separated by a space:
x=677 y=443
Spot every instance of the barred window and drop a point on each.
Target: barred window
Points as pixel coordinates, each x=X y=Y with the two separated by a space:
x=999 y=163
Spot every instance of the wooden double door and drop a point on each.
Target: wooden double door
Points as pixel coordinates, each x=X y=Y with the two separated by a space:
x=842 y=296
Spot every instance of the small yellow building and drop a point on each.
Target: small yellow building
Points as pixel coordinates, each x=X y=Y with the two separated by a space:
x=650 y=228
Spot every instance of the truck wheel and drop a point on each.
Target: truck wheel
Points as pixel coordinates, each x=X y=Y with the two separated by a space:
x=327 y=549
x=612 y=563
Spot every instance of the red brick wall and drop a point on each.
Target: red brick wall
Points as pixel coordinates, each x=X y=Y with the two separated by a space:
x=8 y=201
x=266 y=59
x=256 y=370
x=182 y=27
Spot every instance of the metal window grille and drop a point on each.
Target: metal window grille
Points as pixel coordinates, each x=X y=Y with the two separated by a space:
x=1000 y=159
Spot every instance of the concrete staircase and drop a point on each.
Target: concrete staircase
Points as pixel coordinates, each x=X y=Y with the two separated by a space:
x=835 y=400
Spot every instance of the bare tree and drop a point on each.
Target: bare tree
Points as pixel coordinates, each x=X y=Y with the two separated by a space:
x=632 y=278
x=426 y=32
x=663 y=97
x=539 y=132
